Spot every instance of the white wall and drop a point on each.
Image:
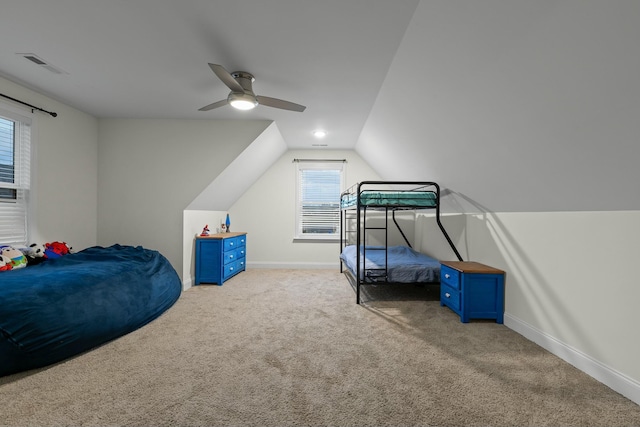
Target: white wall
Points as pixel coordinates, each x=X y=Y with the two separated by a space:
x=193 y=223
x=150 y=170
x=267 y=213
x=570 y=281
x=64 y=188
x=528 y=118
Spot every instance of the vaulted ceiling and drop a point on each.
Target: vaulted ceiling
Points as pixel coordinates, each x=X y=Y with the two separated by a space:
x=148 y=58
x=493 y=99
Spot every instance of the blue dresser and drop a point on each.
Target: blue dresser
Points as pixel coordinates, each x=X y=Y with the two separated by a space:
x=472 y=290
x=220 y=256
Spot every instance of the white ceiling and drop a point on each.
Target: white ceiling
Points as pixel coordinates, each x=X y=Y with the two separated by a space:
x=148 y=58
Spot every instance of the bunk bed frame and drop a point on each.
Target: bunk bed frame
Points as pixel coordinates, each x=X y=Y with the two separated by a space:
x=388 y=197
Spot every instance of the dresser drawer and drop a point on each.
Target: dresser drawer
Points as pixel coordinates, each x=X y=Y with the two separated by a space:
x=233 y=242
x=450 y=277
x=232 y=256
x=242 y=241
x=233 y=268
x=450 y=297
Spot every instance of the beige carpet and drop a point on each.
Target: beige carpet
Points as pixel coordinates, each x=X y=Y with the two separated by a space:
x=291 y=347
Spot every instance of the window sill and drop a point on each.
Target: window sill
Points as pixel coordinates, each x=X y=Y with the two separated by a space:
x=316 y=240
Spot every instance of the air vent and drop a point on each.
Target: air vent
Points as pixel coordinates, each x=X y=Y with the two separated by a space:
x=319 y=145
x=41 y=62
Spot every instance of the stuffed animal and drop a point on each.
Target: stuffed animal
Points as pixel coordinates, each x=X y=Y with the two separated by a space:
x=18 y=260
x=5 y=263
x=56 y=249
x=35 y=254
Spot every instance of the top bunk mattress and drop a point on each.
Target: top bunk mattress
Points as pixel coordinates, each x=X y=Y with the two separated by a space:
x=385 y=198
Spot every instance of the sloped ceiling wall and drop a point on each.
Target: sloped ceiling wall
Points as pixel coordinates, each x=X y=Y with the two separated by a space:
x=515 y=106
x=242 y=172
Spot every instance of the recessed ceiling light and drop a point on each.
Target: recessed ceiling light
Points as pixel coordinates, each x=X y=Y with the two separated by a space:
x=319 y=133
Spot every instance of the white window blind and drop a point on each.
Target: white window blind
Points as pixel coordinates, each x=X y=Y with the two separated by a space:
x=15 y=163
x=319 y=184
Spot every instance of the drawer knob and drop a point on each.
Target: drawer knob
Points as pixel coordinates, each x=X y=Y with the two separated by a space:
x=230 y=256
x=230 y=268
x=446 y=276
x=447 y=294
x=230 y=243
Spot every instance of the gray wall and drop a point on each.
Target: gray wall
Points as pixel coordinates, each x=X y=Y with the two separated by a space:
x=517 y=105
x=150 y=170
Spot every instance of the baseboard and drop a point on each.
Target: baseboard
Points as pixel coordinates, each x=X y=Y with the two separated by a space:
x=296 y=265
x=606 y=375
x=187 y=283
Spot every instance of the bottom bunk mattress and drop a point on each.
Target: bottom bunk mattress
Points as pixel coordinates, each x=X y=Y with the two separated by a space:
x=64 y=306
x=404 y=265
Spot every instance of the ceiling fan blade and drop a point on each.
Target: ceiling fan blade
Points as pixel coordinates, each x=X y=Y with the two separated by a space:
x=214 y=105
x=226 y=78
x=279 y=103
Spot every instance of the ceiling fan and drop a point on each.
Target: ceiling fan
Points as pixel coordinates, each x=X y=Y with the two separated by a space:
x=242 y=96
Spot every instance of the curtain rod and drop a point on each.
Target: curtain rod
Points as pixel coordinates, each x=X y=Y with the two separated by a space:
x=29 y=105
x=321 y=160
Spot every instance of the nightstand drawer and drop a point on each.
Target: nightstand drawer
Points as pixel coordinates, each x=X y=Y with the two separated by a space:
x=450 y=297
x=450 y=277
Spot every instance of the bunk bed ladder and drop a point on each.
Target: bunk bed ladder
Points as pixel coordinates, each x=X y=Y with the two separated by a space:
x=376 y=274
x=361 y=238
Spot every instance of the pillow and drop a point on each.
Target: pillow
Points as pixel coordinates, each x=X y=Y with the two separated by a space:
x=18 y=260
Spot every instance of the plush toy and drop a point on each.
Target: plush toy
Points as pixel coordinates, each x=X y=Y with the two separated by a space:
x=18 y=260
x=35 y=254
x=55 y=249
x=205 y=231
x=5 y=263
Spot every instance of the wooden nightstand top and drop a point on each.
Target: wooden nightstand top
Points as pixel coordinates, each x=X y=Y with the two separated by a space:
x=471 y=267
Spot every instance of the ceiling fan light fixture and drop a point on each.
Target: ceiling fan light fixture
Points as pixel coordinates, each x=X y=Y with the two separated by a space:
x=242 y=101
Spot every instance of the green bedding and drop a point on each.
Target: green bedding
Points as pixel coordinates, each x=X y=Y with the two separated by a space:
x=408 y=199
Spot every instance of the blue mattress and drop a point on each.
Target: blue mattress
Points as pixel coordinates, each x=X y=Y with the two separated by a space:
x=404 y=264
x=64 y=306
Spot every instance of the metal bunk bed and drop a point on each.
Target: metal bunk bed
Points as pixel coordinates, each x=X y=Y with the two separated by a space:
x=371 y=264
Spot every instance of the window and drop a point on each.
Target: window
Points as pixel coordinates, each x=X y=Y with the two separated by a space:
x=15 y=160
x=319 y=184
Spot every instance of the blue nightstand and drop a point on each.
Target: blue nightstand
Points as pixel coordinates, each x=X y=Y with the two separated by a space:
x=472 y=290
